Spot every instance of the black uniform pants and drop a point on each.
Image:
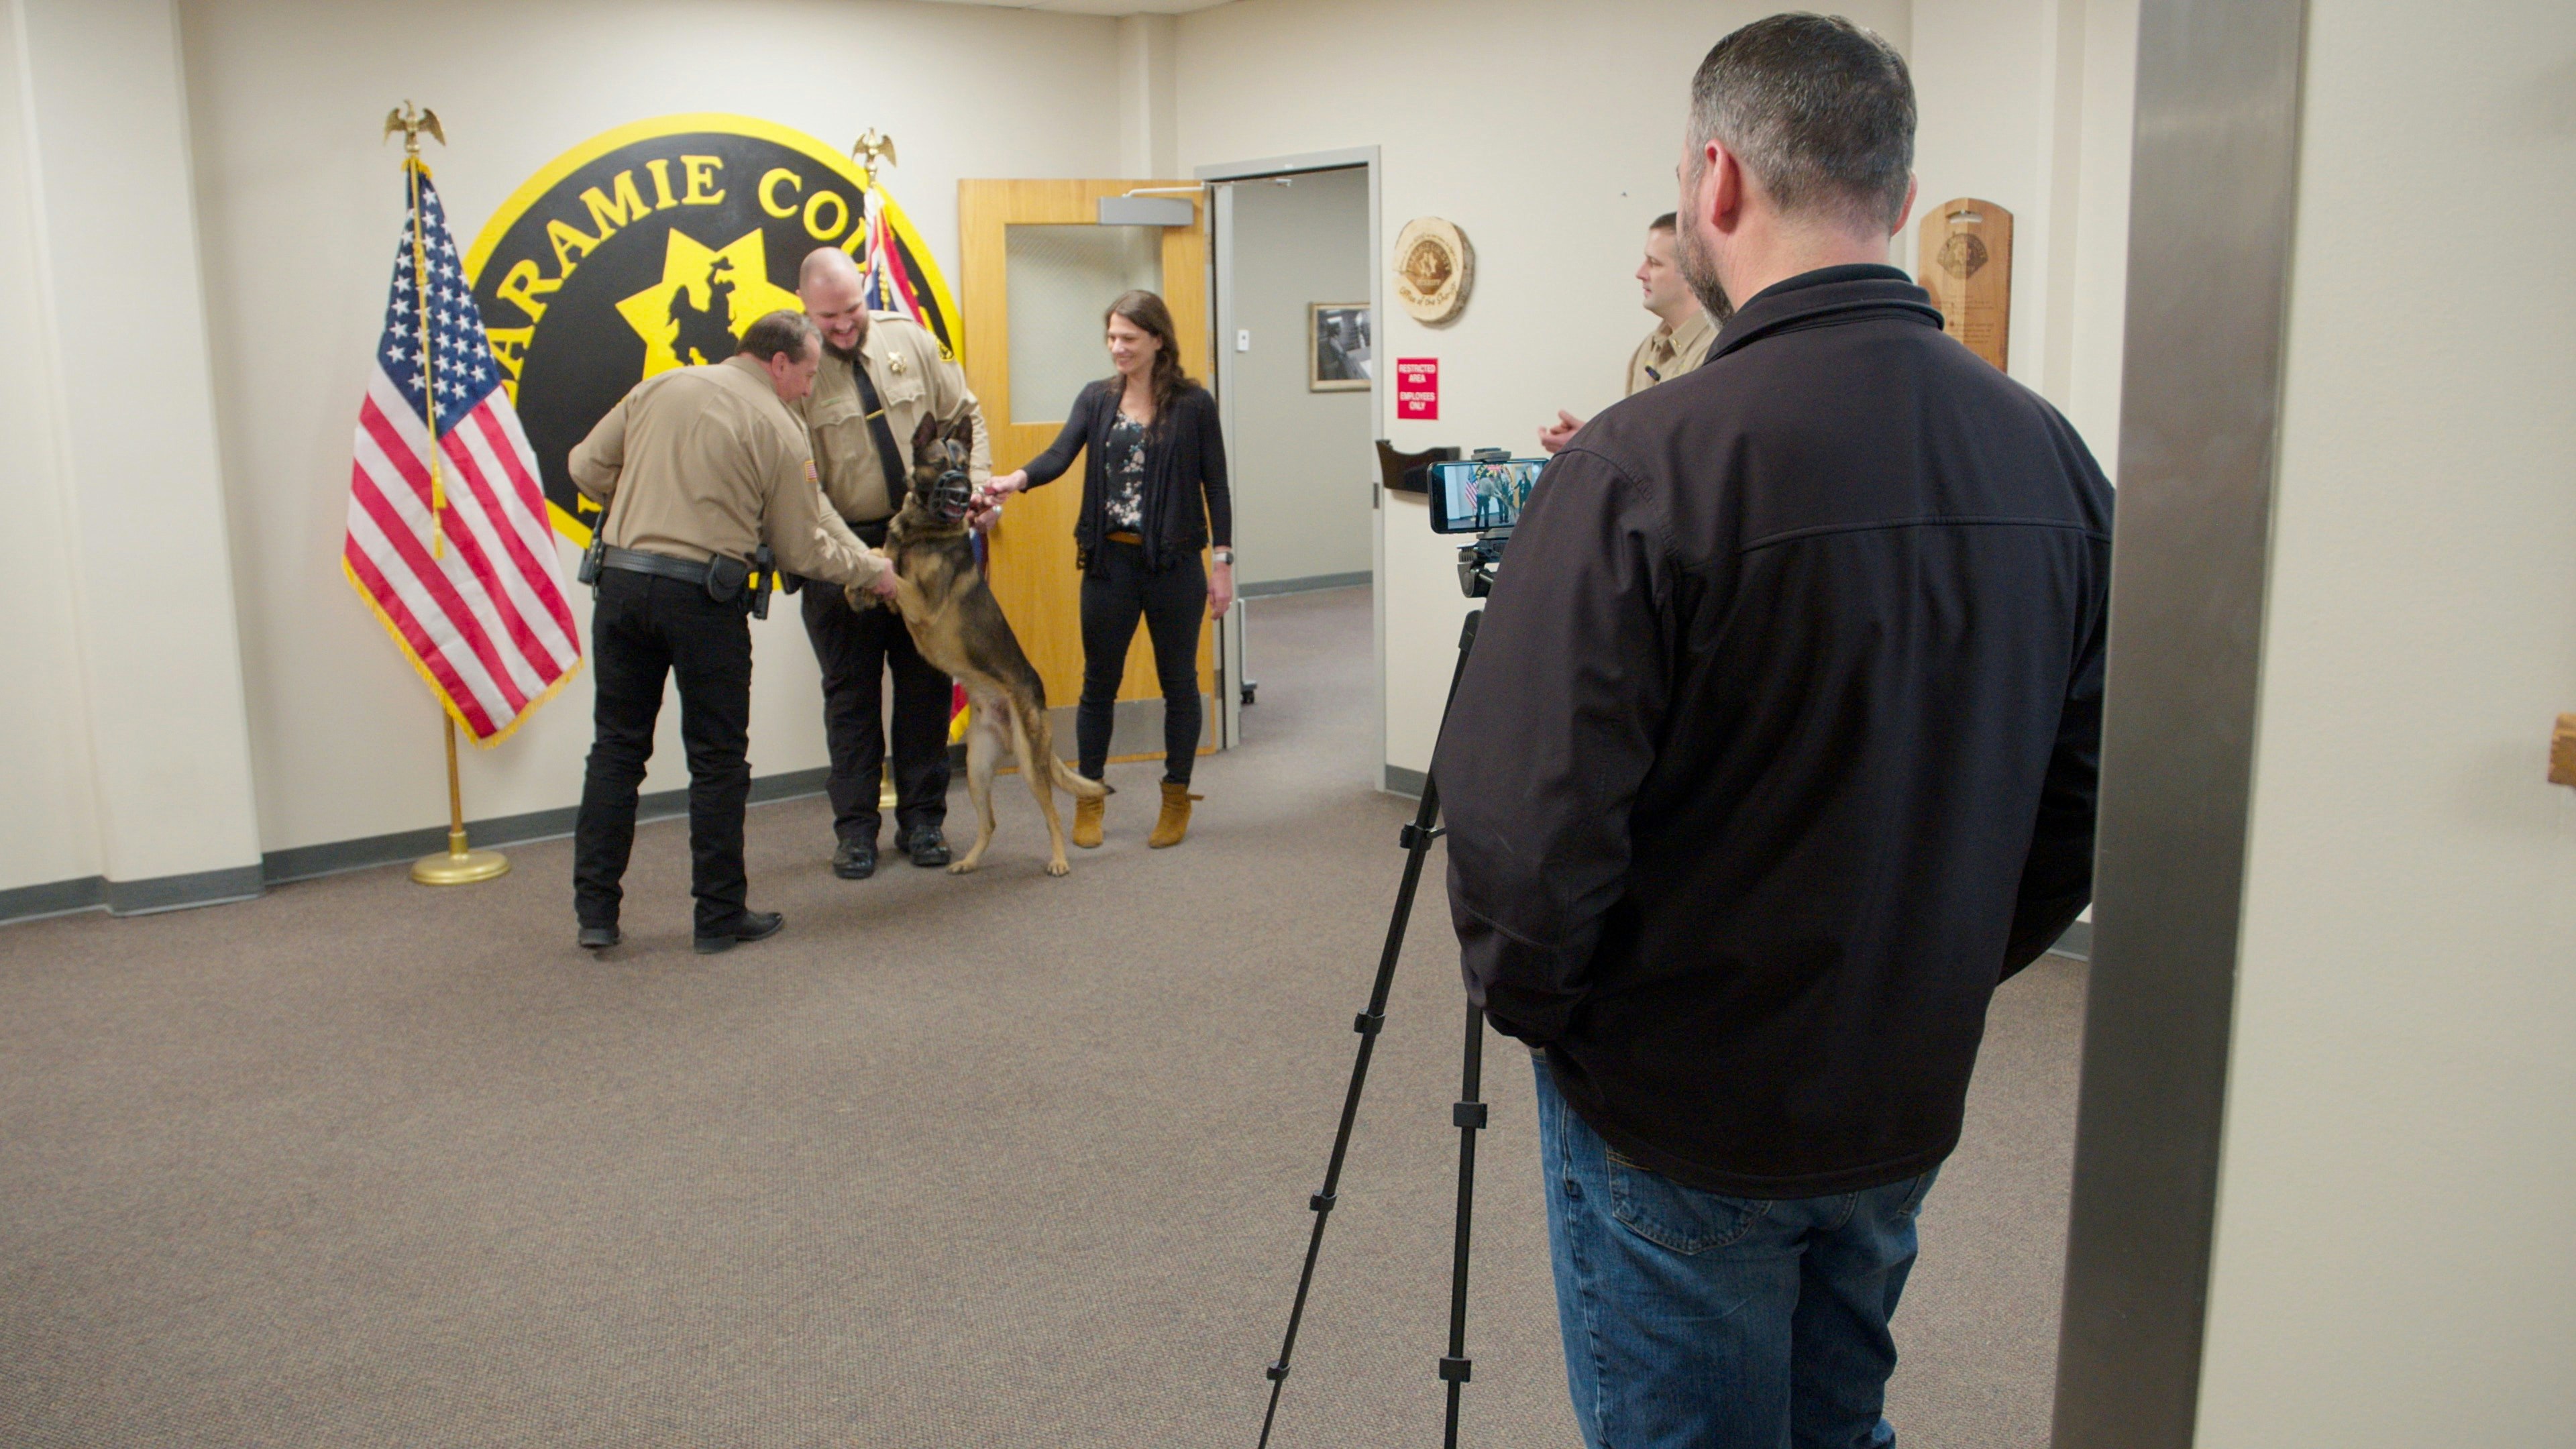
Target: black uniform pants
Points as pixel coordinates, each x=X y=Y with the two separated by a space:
x=642 y=628
x=1115 y=591
x=857 y=648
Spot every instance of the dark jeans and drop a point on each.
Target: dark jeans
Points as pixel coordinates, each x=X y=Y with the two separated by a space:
x=857 y=648
x=1115 y=591
x=642 y=628
x=1698 y=1321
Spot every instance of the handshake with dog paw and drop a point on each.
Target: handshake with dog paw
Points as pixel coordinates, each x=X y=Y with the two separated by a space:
x=876 y=590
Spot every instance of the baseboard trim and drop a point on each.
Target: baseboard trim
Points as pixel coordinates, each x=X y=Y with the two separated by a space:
x=54 y=898
x=2076 y=944
x=132 y=897
x=181 y=892
x=309 y=862
x=1312 y=583
x=1397 y=780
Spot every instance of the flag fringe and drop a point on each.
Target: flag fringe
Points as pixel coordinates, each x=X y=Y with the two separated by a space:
x=439 y=691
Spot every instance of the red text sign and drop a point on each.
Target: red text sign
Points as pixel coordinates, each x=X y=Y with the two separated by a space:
x=1417 y=388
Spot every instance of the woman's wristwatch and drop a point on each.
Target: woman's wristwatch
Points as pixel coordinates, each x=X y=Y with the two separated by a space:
x=1223 y=555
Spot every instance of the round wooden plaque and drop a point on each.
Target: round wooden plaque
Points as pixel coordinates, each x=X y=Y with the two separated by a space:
x=1434 y=269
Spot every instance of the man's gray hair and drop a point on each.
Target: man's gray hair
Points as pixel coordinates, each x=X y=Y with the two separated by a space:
x=1819 y=109
x=779 y=332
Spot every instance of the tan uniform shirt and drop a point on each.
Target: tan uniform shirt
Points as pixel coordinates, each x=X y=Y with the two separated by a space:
x=914 y=382
x=1668 y=352
x=706 y=460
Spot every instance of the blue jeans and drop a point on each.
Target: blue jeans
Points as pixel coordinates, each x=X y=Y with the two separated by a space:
x=1697 y=1321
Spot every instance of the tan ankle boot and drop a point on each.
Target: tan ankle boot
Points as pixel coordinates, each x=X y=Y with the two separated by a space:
x=1086 y=823
x=1175 y=822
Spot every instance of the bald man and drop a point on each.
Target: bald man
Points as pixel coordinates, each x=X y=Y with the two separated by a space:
x=881 y=375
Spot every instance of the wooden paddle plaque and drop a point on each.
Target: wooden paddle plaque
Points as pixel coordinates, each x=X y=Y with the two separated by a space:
x=1966 y=264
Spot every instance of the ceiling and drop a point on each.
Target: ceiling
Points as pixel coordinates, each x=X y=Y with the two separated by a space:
x=1096 y=7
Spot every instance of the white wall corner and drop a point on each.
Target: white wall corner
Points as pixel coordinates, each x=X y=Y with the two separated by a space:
x=2061 y=178
x=145 y=519
x=1148 y=127
x=45 y=723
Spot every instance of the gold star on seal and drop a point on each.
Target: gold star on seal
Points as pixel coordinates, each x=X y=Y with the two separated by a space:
x=706 y=298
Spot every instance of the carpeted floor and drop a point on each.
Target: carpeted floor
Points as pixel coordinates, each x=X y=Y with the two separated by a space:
x=991 y=1161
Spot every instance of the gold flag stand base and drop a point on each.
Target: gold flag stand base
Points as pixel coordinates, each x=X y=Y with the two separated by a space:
x=458 y=865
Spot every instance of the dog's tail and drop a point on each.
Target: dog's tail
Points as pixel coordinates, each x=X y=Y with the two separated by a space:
x=1076 y=785
x=1030 y=722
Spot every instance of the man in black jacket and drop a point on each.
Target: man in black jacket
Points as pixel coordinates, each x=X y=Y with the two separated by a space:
x=1775 y=755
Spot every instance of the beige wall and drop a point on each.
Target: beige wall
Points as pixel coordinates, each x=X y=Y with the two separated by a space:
x=2393 y=1264
x=300 y=201
x=1301 y=461
x=2027 y=103
x=1554 y=174
x=1550 y=147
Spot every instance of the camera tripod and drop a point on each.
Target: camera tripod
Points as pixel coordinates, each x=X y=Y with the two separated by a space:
x=1467 y=1114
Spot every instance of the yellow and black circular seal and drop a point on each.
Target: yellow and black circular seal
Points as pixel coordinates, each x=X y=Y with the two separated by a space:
x=653 y=246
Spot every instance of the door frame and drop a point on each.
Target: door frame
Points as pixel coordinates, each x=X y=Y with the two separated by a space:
x=1039 y=601
x=1220 y=180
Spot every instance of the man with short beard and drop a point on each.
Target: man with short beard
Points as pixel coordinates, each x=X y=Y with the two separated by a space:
x=1776 y=753
x=881 y=375
x=1684 y=328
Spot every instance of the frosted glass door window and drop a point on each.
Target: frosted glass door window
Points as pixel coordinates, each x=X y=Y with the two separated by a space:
x=1061 y=279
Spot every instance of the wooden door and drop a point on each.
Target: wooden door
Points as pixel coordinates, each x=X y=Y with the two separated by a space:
x=1032 y=554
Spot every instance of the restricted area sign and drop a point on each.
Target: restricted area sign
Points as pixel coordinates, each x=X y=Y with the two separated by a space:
x=1417 y=388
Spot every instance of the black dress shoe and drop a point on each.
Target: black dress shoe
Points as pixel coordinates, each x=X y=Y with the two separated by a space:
x=927 y=847
x=754 y=926
x=855 y=860
x=597 y=938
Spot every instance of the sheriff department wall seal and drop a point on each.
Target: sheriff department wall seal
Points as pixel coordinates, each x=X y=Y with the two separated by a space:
x=652 y=247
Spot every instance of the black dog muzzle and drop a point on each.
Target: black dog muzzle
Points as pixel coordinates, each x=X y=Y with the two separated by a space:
x=951 y=496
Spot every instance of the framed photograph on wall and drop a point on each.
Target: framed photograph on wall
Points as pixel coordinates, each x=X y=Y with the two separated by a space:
x=1337 y=346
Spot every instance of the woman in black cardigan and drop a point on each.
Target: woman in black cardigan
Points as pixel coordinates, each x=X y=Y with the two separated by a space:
x=1153 y=492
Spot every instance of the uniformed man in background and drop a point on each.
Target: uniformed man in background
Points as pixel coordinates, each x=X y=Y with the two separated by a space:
x=700 y=469
x=881 y=375
x=1683 y=333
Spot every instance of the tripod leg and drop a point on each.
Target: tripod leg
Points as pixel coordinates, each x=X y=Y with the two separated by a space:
x=1469 y=1116
x=1417 y=838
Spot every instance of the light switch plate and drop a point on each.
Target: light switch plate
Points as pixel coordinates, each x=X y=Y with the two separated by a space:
x=1243 y=339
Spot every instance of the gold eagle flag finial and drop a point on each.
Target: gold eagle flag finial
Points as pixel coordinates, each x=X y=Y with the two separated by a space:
x=872 y=149
x=411 y=122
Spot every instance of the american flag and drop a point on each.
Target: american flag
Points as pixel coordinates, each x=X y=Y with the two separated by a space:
x=451 y=547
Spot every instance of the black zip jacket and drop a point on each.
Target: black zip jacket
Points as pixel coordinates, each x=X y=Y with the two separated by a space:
x=1184 y=459
x=1777 y=749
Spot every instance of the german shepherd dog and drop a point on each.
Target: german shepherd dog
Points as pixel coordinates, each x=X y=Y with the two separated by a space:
x=958 y=627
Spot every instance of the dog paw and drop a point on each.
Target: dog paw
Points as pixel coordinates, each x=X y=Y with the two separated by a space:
x=964 y=867
x=1058 y=867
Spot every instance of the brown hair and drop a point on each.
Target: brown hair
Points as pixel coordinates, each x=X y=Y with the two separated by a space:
x=1147 y=311
x=780 y=331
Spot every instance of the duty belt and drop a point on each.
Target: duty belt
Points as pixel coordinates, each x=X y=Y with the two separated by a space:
x=636 y=561
x=722 y=579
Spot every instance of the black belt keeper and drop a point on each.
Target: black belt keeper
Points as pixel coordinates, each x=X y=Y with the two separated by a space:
x=871 y=534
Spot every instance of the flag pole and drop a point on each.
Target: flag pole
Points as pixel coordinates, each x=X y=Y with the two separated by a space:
x=457 y=865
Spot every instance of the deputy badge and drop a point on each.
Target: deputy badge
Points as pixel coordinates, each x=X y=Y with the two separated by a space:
x=654 y=246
